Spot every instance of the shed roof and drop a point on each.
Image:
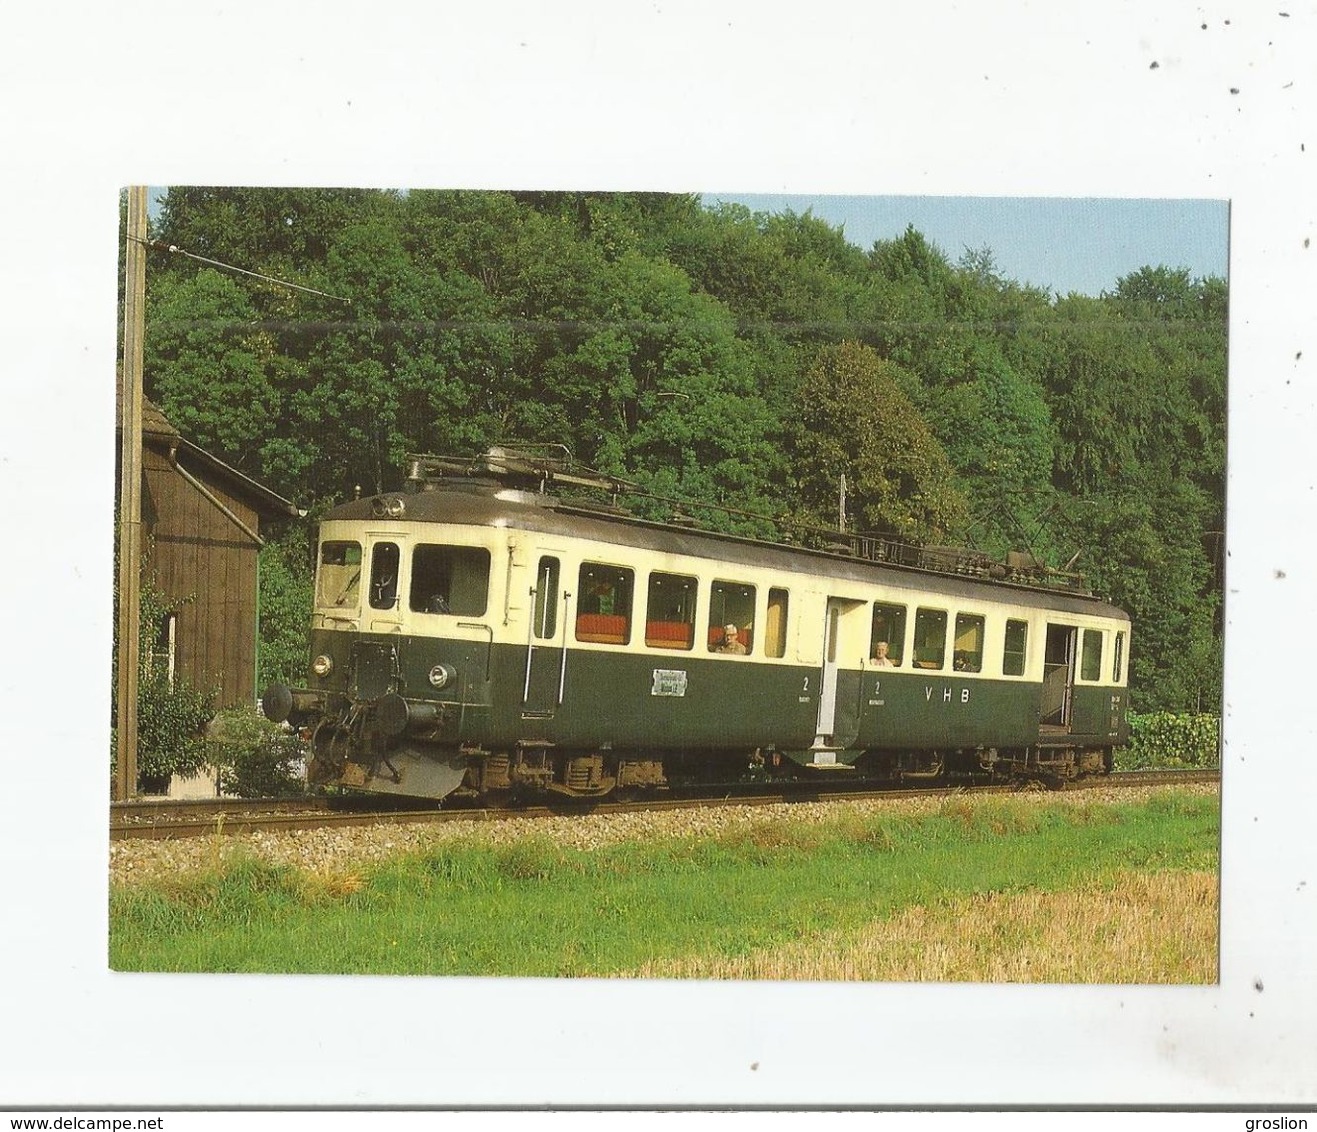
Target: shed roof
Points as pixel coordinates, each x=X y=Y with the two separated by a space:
x=159 y=433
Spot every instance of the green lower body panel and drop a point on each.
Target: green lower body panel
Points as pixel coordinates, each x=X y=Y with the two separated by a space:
x=593 y=699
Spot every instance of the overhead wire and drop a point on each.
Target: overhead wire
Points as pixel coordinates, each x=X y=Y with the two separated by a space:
x=174 y=249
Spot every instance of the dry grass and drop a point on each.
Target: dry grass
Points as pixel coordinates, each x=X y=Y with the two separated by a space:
x=1134 y=928
x=332 y=884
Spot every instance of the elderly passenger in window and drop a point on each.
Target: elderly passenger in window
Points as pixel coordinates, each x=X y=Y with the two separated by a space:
x=731 y=641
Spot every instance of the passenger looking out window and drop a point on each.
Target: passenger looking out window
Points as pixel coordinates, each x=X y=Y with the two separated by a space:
x=731 y=607
x=731 y=642
x=887 y=632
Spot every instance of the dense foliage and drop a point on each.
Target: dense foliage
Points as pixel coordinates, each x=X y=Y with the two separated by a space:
x=286 y=568
x=256 y=758
x=712 y=355
x=1171 y=740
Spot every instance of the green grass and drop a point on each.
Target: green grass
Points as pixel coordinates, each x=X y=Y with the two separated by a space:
x=534 y=908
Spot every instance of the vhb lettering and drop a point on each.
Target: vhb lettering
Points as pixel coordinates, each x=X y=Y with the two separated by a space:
x=947 y=695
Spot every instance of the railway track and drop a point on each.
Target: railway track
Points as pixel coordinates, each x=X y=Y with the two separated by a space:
x=215 y=816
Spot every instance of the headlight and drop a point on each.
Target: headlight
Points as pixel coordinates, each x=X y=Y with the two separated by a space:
x=322 y=665
x=441 y=675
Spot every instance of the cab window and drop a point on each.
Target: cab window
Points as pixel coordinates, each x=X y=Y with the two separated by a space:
x=338 y=581
x=384 y=561
x=450 y=579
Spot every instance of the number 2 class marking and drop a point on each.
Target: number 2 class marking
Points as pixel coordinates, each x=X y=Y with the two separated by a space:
x=805 y=686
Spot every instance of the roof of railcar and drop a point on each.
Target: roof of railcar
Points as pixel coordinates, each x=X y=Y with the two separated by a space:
x=482 y=504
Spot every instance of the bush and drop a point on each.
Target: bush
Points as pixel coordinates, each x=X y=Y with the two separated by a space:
x=1166 y=739
x=256 y=758
x=171 y=724
x=172 y=713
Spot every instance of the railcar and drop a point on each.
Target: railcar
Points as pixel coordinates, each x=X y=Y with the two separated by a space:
x=479 y=632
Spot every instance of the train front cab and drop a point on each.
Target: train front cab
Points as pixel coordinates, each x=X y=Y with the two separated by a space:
x=402 y=636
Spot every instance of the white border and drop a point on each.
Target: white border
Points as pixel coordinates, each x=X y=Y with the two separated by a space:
x=941 y=97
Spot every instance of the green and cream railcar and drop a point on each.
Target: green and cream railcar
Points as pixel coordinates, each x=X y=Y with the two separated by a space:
x=479 y=636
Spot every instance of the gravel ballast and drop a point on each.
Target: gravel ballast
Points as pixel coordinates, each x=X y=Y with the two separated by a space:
x=354 y=849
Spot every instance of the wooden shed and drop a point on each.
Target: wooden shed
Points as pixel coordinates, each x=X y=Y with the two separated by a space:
x=200 y=537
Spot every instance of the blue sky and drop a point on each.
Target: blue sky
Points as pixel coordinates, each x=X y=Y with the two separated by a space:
x=1057 y=243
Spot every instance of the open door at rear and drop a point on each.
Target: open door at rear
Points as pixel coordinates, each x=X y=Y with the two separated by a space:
x=1059 y=677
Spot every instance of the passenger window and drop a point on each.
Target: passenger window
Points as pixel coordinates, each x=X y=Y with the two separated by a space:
x=546 y=599
x=930 y=638
x=450 y=579
x=339 y=581
x=1013 y=655
x=1090 y=665
x=967 y=654
x=888 y=631
x=384 y=561
x=604 y=613
x=1119 y=657
x=670 y=612
x=775 y=626
x=731 y=618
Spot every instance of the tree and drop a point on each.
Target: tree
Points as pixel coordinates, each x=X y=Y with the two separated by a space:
x=997 y=431
x=853 y=418
x=1137 y=384
x=1145 y=554
x=209 y=365
x=286 y=569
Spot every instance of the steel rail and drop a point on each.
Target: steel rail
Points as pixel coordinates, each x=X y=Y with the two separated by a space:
x=160 y=820
x=195 y=809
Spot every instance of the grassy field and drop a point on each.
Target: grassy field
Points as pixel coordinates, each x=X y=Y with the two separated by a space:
x=985 y=889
